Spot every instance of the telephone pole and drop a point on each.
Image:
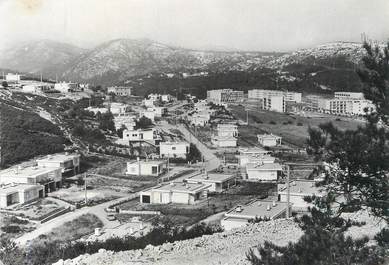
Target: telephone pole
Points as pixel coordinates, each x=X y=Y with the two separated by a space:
x=85 y=187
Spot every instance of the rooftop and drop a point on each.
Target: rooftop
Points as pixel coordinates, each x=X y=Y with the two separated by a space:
x=253 y=150
x=301 y=187
x=260 y=166
x=26 y=171
x=173 y=143
x=181 y=187
x=59 y=157
x=211 y=177
x=225 y=138
x=263 y=208
x=147 y=162
x=268 y=136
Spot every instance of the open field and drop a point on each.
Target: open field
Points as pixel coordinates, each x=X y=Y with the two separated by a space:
x=186 y=215
x=293 y=128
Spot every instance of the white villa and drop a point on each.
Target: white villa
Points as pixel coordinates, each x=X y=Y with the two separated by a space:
x=17 y=194
x=146 y=167
x=174 y=192
x=140 y=135
x=67 y=162
x=263 y=172
x=174 y=149
x=269 y=140
x=215 y=182
x=242 y=214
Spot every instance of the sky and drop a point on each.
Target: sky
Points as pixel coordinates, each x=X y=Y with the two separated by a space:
x=260 y=25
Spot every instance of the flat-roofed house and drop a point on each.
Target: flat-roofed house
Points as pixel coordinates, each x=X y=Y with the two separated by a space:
x=175 y=192
x=264 y=209
x=224 y=141
x=263 y=172
x=66 y=161
x=174 y=149
x=227 y=130
x=254 y=155
x=117 y=108
x=17 y=194
x=216 y=182
x=269 y=140
x=146 y=167
x=119 y=90
x=298 y=189
x=50 y=178
x=140 y=135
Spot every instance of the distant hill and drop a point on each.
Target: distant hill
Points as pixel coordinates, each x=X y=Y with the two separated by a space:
x=326 y=67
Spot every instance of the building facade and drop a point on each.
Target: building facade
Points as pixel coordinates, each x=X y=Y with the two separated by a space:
x=224 y=96
x=174 y=149
x=263 y=93
x=146 y=167
x=119 y=91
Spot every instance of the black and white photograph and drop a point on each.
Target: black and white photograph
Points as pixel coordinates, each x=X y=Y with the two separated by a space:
x=194 y=132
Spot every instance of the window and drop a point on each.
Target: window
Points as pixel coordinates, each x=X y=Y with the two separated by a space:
x=174 y=148
x=154 y=170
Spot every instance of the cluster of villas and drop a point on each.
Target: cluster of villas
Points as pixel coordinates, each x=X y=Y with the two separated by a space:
x=201 y=115
x=22 y=185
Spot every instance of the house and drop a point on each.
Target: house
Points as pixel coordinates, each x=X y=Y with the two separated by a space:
x=255 y=159
x=146 y=167
x=67 y=162
x=12 y=78
x=241 y=215
x=174 y=149
x=199 y=119
x=148 y=103
x=150 y=114
x=227 y=130
x=140 y=135
x=224 y=96
x=269 y=140
x=166 y=98
x=50 y=178
x=298 y=189
x=175 y=192
x=117 y=108
x=263 y=172
x=17 y=194
x=224 y=141
x=247 y=155
x=95 y=110
x=119 y=90
x=215 y=182
x=64 y=87
x=158 y=111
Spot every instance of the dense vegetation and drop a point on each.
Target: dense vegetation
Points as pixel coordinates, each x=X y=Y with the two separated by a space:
x=25 y=134
x=48 y=252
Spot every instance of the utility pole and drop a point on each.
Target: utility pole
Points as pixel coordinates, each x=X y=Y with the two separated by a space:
x=287 y=191
x=247 y=116
x=168 y=167
x=86 y=196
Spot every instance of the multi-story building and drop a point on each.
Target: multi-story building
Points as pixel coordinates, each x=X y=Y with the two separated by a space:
x=274 y=103
x=263 y=93
x=36 y=88
x=226 y=135
x=224 y=96
x=174 y=149
x=119 y=90
x=12 y=78
x=67 y=162
x=140 y=135
x=349 y=95
x=227 y=130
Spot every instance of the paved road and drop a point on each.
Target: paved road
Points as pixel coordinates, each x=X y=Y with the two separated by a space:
x=97 y=210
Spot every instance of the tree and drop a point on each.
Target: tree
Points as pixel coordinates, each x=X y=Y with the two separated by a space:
x=4 y=84
x=120 y=131
x=143 y=123
x=106 y=121
x=357 y=160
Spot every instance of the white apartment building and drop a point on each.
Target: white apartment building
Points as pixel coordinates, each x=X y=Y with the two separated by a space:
x=65 y=87
x=222 y=96
x=119 y=90
x=67 y=162
x=242 y=214
x=50 y=178
x=224 y=141
x=274 y=103
x=350 y=106
x=349 y=95
x=175 y=192
x=174 y=149
x=269 y=140
x=146 y=167
x=18 y=194
x=263 y=93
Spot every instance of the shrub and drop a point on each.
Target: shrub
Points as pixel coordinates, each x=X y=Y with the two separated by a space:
x=299 y=124
x=272 y=122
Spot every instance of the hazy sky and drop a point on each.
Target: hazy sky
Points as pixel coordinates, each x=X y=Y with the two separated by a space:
x=267 y=25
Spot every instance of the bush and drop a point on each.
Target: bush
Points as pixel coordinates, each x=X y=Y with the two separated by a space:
x=272 y=122
x=11 y=229
x=299 y=124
